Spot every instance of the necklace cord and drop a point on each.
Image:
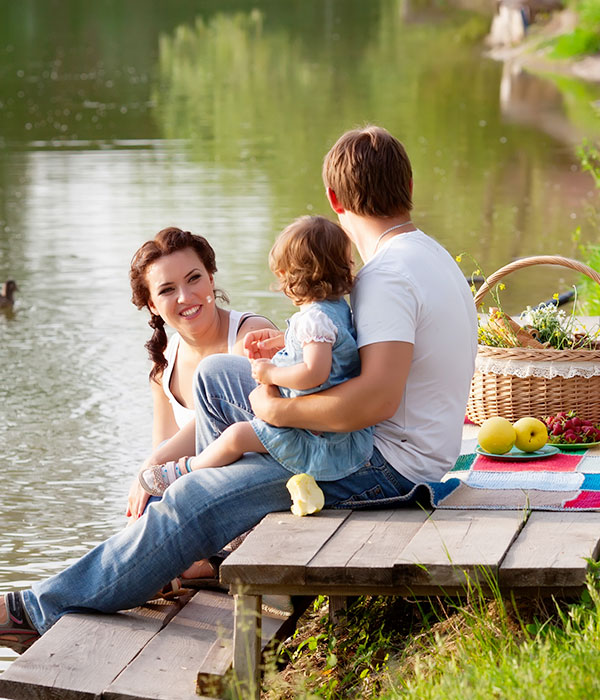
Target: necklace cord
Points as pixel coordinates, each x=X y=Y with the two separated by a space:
x=388 y=230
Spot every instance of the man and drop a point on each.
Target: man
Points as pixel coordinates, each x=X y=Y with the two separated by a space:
x=416 y=331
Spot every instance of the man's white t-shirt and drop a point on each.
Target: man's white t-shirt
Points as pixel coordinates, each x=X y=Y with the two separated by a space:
x=413 y=291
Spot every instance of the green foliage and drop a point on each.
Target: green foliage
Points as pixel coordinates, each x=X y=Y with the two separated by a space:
x=585 y=39
x=475 y=646
x=349 y=660
x=589 y=14
x=578 y=43
x=589 y=291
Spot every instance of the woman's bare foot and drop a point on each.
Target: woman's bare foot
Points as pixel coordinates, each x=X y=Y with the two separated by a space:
x=199 y=569
x=3 y=611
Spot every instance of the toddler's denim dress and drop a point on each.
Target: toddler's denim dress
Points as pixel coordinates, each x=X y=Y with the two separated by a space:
x=326 y=456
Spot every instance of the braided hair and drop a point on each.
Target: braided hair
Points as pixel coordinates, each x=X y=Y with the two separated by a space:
x=167 y=241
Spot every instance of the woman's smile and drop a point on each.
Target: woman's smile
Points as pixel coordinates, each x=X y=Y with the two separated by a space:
x=191 y=312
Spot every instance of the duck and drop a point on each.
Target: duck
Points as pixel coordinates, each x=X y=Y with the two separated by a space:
x=6 y=297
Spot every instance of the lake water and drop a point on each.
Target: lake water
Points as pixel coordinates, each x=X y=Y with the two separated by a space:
x=118 y=119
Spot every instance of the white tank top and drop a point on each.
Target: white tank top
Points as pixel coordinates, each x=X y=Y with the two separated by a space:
x=183 y=414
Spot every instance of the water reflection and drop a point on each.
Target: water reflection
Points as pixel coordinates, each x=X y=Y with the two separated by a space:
x=485 y=181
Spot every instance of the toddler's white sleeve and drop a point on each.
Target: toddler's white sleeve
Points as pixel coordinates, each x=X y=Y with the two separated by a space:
x=314 y=326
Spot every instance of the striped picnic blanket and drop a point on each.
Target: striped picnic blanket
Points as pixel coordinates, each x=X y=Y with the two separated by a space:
x=569 y=480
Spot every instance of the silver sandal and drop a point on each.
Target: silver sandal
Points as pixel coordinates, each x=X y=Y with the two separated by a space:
x=153 y=480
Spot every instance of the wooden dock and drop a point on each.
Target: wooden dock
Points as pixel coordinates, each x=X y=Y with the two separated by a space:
x=407 y=552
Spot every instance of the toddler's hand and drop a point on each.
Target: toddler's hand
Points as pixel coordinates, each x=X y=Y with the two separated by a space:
x=261 y=370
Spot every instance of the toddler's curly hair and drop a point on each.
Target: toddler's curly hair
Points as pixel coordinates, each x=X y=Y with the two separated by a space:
x=312 y=259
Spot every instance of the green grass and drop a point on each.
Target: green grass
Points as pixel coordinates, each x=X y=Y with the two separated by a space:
x=557 y=658
x=476 y=647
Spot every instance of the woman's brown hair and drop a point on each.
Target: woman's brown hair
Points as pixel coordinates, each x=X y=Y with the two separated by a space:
x=312 y=259
x=167 y=241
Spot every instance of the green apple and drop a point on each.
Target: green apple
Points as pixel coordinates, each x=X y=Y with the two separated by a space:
x=532 y=434
x=496 y=435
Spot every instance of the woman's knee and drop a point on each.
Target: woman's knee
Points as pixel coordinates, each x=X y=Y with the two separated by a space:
x=218 y=371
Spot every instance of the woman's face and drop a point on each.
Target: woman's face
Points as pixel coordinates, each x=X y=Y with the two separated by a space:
x=181 y=291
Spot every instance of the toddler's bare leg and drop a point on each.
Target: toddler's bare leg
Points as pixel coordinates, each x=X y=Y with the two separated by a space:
x=228 y=447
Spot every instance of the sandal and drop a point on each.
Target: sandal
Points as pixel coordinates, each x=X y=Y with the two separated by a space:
x=17 y=625
x=157 y=478
x=172 y=591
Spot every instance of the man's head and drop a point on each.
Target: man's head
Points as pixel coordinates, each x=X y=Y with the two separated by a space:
x=370 y=173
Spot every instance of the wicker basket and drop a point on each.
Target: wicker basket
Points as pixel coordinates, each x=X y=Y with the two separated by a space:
x=504 y=394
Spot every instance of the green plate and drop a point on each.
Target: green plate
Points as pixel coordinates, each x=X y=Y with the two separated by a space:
x=574 y=445
x=516 y=455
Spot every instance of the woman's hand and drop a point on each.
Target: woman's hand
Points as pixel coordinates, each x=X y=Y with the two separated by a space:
x=262 y=370
x=137 y=500
x=263 y=343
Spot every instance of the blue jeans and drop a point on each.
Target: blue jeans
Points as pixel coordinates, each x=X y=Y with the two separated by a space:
x=198 y=514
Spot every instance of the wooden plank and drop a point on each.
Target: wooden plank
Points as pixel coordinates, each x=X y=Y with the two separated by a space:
x=246 y=650
x=551 y=550
x=454 y=545
x=167 y=667
x=279 y=548
x=363 y=550
x=193 y=652
x=81 y=654
x=338 y=604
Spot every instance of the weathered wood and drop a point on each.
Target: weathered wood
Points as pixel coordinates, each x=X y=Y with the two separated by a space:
x=194 y=651
x=453 y=546
x=216 y=666
x=551 y=551
x=246 y=656
x=180 y=650
x=168 y=666
x=82 y=654
x=365 y=546
x=280 y=547
x=337 y=605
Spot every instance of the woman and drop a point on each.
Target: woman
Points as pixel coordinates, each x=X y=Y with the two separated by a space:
x=172 y=276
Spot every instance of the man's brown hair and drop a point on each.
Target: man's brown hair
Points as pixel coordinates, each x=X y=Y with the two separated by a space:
x=370 y=173
x=312 y=259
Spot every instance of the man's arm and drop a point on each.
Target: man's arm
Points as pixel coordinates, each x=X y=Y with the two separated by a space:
x=358 y=403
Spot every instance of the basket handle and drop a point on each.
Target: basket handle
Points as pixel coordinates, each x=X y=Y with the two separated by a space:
x=535 y=260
